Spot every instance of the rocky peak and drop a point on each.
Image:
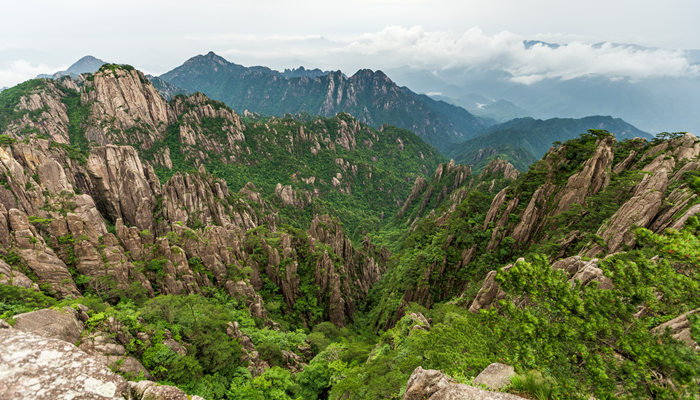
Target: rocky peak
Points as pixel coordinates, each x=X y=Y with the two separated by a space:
x=593 y=177
x=125 y=107
x=498 y=166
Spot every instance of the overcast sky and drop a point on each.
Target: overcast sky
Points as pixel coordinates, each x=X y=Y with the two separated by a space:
x=43 y=36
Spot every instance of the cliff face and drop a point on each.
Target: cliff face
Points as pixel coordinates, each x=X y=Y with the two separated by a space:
x=583 y=199
x=124 y=107
x=98 y=219
x=654 y=191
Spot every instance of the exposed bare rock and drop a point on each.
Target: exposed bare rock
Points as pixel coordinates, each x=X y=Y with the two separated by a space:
x=693 y=210
x=421 y=323
x=125 y=108
x=350 y=281
x=679 y=329
x=622 y=165
x=122 y=184
x=106 y=350
x=592 y=178
x=686 y=147
x=58 y=324
x=423 y=383
x=640 y=209
x=416 y=190
x=490 y=292
x=243 y=291
x=498 y=166
x=36 y=367
x=8 y=276
x=576 y=269
x=432 y=384
x=194 y=112
x=582 y=271
x=496 y=204
x=673 y=204
x=148 y=390
x=289 y=196
x=256 y=366
x=40 y=258
x=52 y=177
x=496 y=376
x=52 y=119
x=531 y=219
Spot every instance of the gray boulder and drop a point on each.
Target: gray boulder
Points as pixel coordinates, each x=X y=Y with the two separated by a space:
x=430 y=384
x=495 y=376
x=60 y=324
x=36 y=367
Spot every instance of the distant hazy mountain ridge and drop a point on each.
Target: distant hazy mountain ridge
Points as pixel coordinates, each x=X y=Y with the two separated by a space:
x=369 y=95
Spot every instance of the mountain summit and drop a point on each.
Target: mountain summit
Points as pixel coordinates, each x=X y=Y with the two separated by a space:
x=87 y=64
x=369 y=95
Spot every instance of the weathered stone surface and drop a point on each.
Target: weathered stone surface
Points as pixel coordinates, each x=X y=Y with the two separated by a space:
x=498 y=166
x=490 y=292
x=250 y=355
x=40 y=258
x=147 y=390
x=640 y=209
x=592 y=178
x=431 y=384
x=60 y=324
x=421 y=323
x=106 y=350
x=14 y=278
x=495 y=376
x=36 y=367
x=242 y=290
x=122 y=185
x=679 y=328
x=125 y=108
x=583 y=271
x=53 y=119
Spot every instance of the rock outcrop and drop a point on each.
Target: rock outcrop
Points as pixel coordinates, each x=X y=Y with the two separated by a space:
x=430 y=384
x=123 y=185
x=593 y=177
x=60 y=324
x=577 y=270
x=496 y=376
x=679 y=329
x=39 y=367
x=124 y=107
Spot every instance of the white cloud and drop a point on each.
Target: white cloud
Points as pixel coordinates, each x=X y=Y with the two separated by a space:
x=416 y=47
x=505 y=51
x=20 y=70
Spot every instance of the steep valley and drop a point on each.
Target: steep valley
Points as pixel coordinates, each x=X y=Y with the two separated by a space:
x=235 y=256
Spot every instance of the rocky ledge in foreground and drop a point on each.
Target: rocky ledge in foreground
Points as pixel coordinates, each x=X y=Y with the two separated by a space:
x=431 y=384
x=36 y=367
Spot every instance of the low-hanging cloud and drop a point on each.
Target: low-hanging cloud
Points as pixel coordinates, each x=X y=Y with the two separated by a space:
x=20 y=70
x=507 y=52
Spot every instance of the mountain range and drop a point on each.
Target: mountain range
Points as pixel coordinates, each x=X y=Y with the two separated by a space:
x=522 y=141
x=372 y=97
x=176 y=249
x=87 y=64
x=653 y=104
x=368 y=95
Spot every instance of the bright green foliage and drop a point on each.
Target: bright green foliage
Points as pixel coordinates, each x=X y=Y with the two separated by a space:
x=9 y=99
x=17 y=300
x=274 y=384
x=78 y=114
x=523 y=141
x=582 y=340
x=380 y=178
